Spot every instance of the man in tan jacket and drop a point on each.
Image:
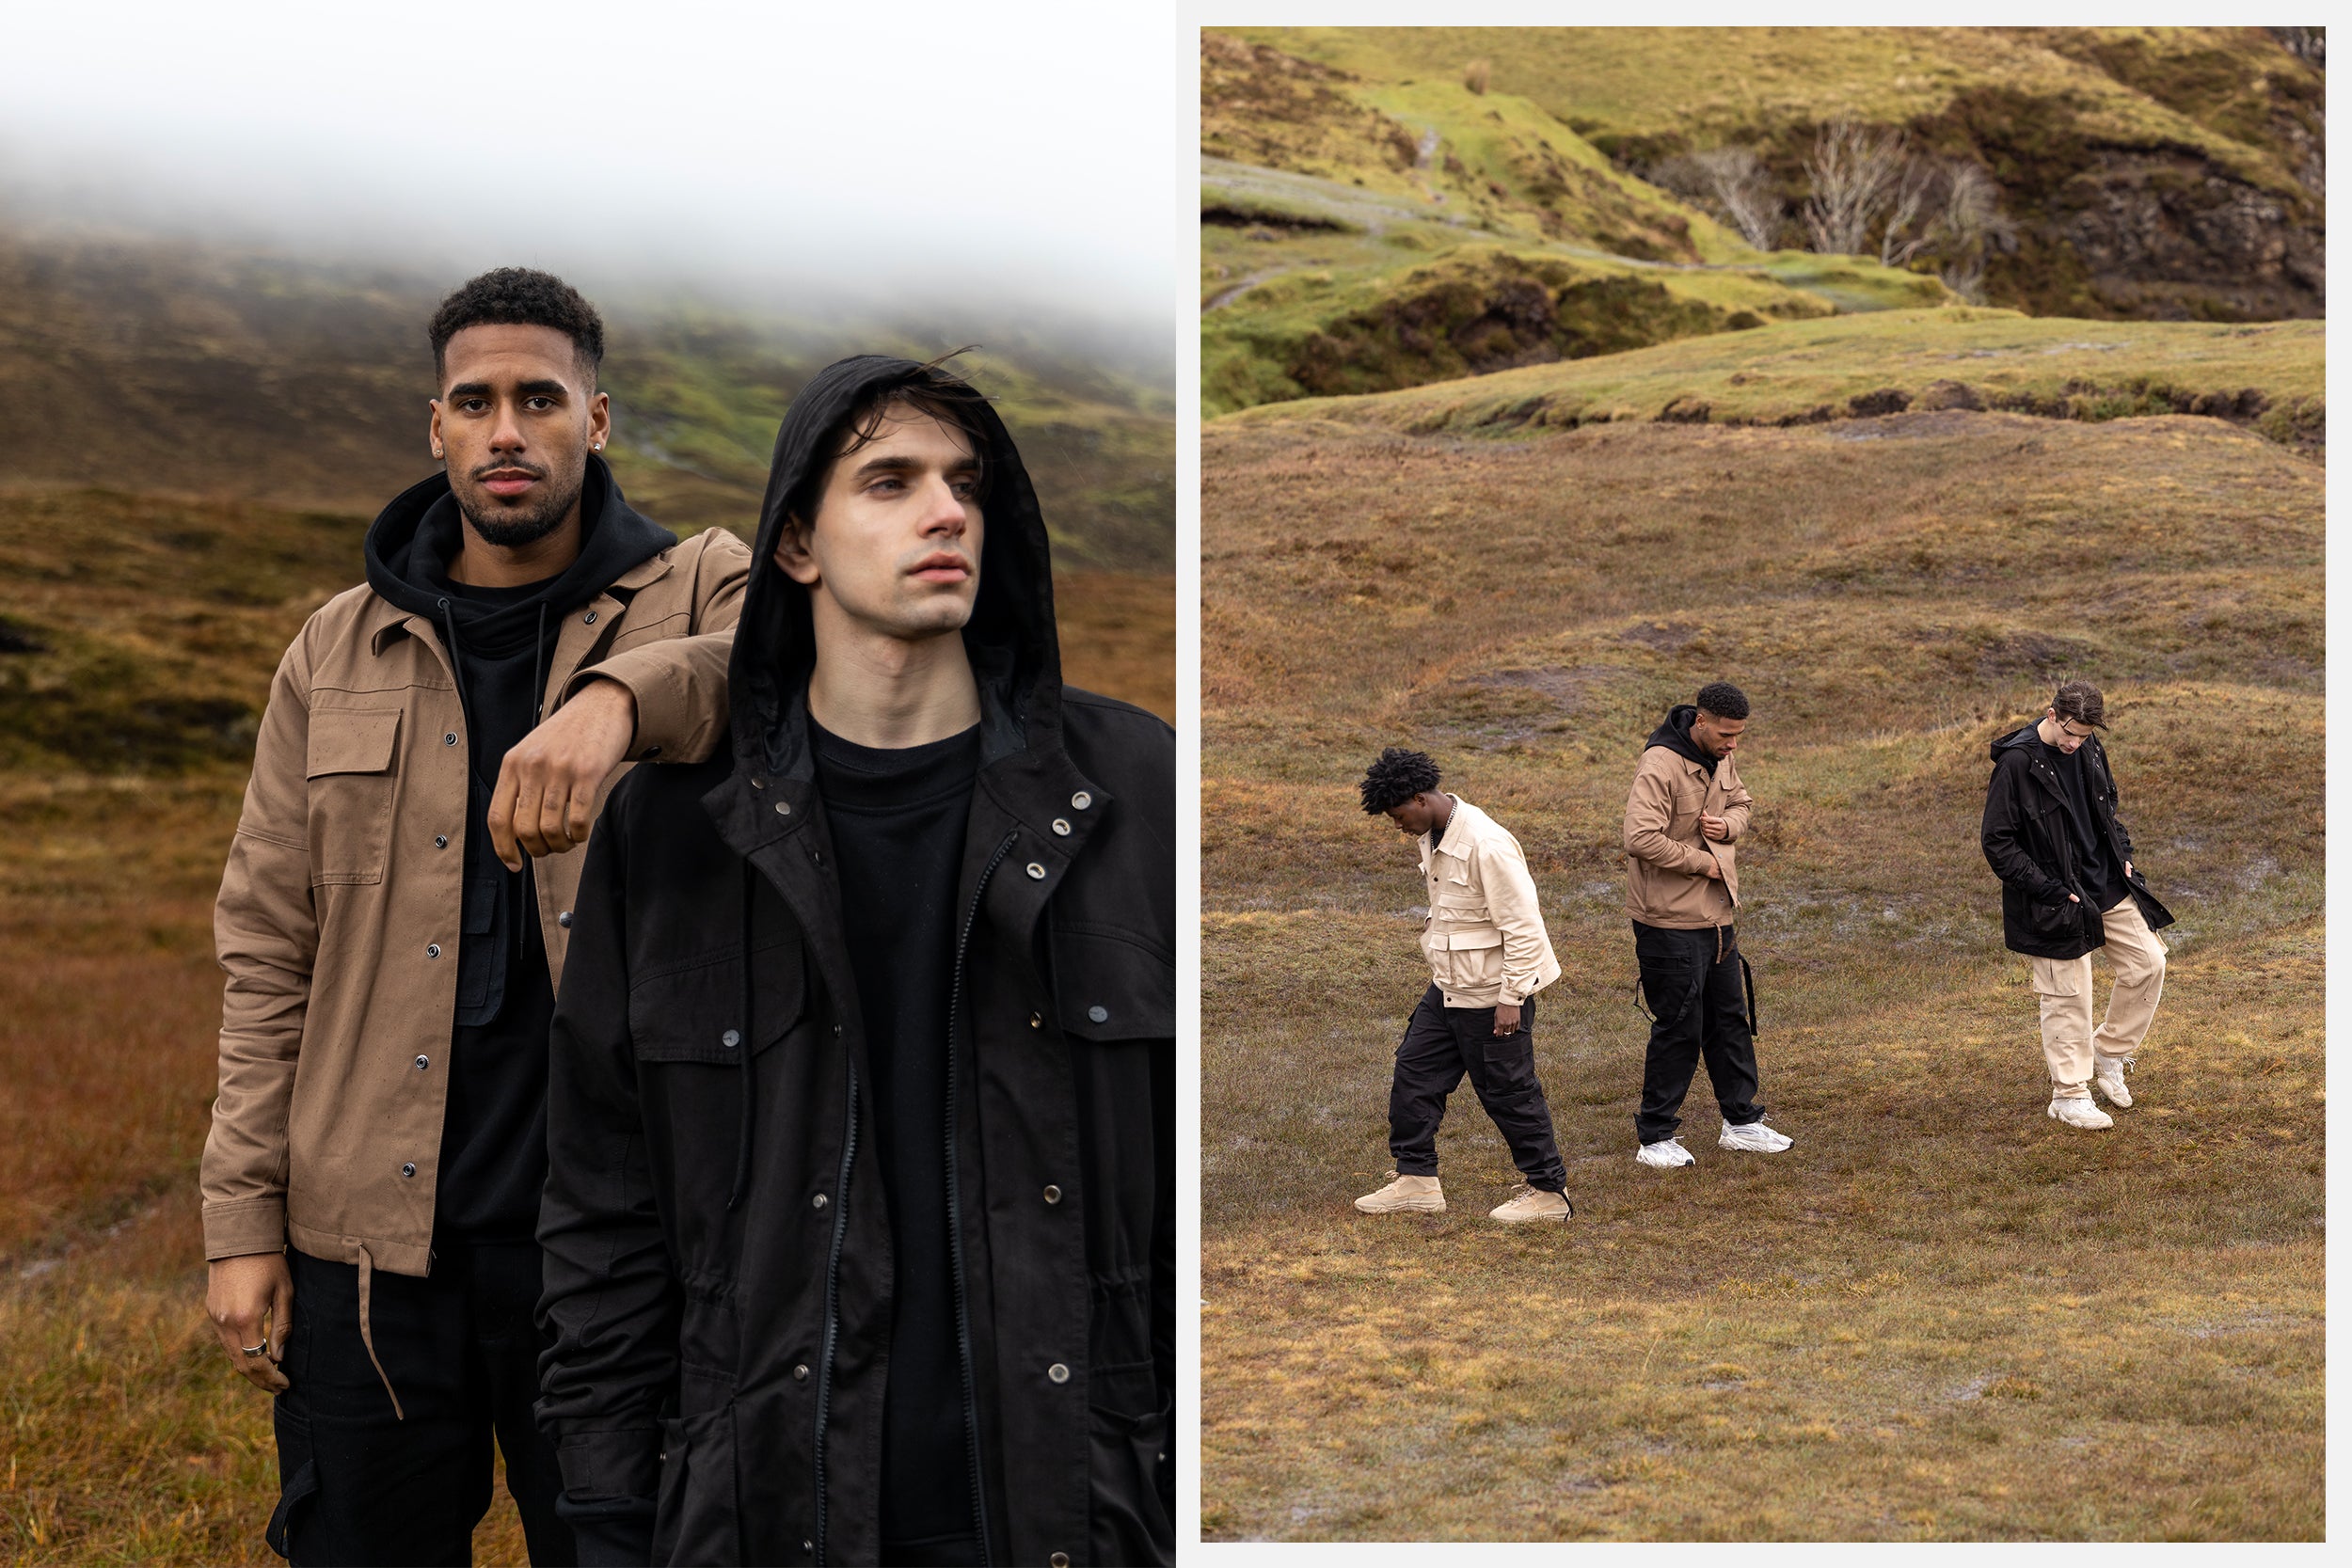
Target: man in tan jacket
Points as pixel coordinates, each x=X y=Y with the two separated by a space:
x=1488 y=955
x=372 y=1177
x=1683 y=826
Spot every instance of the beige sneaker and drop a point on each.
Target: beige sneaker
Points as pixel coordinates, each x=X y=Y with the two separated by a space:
x=1406 y=1195
x=2108 y=1076
x=2080 y=1113
x=1530 y=1206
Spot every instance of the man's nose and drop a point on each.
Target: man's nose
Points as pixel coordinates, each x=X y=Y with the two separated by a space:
x=944 y=513
x=506 y=431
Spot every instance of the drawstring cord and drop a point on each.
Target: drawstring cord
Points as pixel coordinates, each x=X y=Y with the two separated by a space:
x=744 y=1057
x=367 y=1329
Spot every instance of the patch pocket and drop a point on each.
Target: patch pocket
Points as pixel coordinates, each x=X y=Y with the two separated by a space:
x=1110 y=986
x=298 y=1478
x=686 y=1012
x=349 y=769
x=1133 y=1480
x=695 y=1515
x=1475 y=958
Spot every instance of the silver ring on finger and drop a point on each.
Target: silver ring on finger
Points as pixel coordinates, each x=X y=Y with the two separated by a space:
x=260 y=1349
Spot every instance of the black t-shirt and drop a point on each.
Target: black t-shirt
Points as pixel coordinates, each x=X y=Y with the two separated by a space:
x=898 y=821
x=494 y=1134
x=2100 y=877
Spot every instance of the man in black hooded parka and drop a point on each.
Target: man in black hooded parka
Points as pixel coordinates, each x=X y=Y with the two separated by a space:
x=860 y=1223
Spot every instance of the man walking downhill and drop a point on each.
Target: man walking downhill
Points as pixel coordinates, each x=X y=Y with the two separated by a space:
x=2068 y=886
x=1488 y=955
x=1682 y=824
x=373 y=1175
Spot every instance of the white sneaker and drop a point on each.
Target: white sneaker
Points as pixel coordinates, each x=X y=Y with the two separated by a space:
x=1665 y=1155
x=2080 y=1113
x=2108 y=1077
x=1756 y=1138
x=1417 y=1195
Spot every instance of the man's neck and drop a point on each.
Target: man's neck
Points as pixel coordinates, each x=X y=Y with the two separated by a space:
x=1443 y=820
x=478 y=563
x=885 y=692
x=2048 y=732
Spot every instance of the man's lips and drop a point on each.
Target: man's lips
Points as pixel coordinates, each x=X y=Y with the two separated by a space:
x=508 y=482
x=942 y=567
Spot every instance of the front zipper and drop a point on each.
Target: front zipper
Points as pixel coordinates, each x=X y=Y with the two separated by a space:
x=832 y=1295
x=955 y=1212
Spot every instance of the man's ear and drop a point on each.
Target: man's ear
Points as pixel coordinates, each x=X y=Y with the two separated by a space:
x=792 y=555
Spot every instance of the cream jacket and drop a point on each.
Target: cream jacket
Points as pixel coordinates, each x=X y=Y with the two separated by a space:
x=1484 y=938
x=1666 y=855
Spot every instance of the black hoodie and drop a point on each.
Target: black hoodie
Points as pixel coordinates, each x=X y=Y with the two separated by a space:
x=1674 y=735
x=500 y=640
x=721 y=1257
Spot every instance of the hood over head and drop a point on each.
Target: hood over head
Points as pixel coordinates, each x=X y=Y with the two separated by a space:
x=1674 y=735
x=1010 y=640
x=412 y=540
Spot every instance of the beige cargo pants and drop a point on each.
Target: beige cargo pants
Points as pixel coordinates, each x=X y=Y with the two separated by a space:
x=2064 y=984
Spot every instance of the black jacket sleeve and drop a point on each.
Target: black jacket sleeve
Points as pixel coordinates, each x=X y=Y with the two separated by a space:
x=610 y=1296
x=2005 y=849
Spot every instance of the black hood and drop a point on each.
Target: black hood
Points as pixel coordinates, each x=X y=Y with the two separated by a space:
x=413 y=540
x=2030 y=736
x=1674 y=735
x=1016 y=658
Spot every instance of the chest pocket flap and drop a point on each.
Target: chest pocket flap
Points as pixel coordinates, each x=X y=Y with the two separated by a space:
x=1107 y=986
x=348 y=741
x=684 y=1012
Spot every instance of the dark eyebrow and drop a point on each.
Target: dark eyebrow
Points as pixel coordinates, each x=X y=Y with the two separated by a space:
x=528 y=389
x=909 y=466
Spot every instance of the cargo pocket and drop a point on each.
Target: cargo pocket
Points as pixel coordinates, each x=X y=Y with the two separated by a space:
x=1132 y=1476
x=351 y=778
x=1474 y=959
x=298 y=1478
x=1109 y=985
x=694 y=1517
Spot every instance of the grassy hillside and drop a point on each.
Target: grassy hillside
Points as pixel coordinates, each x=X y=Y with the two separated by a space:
x=2271 y=377
x=1939 y=1316
x=1362 y=235
x=2151 y=172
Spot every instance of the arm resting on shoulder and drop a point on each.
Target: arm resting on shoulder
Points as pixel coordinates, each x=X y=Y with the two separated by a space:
x=680 y=683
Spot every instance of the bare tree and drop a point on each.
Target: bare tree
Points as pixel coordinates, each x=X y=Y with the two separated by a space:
x=1743 y=189
x=1971 y=224
x=1915 y=195
x=1856 y=175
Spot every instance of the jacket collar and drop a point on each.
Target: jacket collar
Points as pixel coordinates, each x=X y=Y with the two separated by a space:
x=384 y=620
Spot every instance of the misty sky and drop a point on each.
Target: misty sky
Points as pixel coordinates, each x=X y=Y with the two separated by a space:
x=949 y=151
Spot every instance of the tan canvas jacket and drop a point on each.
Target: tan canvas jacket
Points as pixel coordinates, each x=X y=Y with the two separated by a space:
x=1485 y=937
x=1666 y=855
x=339 y=910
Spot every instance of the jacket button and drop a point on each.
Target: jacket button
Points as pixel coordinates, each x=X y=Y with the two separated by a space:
x=432 y=949
x=1059 y=1560
x=1099 y=1014
x=653 y=751
x=450 y=740
x=1061 y=826
x=440 y=841
x=1058 y=1372
x=1037 y=1021
x=1037 y=872
x=408 y=1170
x=423 y=1062
x=784 y=808
x=564 y=920
x=818 y=1201
x=591 y=619
x=1082 y=800
x=837 y=1031
x=799 y=1374
x=731 y=1039
x=1052 y=1194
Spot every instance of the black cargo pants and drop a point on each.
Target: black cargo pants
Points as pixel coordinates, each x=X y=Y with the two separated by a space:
x=361 y=1485
x=1442 y=1045
x=1696 y=986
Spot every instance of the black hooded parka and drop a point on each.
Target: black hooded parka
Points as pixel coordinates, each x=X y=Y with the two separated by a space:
x=2029 y=842
x=719 y=1256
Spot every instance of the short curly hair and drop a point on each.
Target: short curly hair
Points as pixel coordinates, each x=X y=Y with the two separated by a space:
x=1723 y=699
x=518 y=296
x=1396 y=777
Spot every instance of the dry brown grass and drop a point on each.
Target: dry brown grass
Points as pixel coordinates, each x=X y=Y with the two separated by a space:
x=127 y=1438
x=1940 y=1315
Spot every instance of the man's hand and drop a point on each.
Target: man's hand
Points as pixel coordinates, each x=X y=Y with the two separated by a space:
x=240 y=1294
x=1506 y=1017
x=1714 y=869
x=1714 y=827
x=544 y=800
x=2127 y=869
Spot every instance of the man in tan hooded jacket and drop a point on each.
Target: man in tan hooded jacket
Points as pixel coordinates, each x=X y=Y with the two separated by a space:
x=1683 y=819
x=1488 y=955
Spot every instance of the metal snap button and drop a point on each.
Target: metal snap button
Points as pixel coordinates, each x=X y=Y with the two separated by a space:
x=1037 y=872
x=1099 y=1013
x=1061 y=826
x=1037 y=1021
x=432 y=949
x=450 y=740
x=1059 y=1560
x=591 y=620
x=1082 y=800
x=731 y=1039
x=423 y=1062
x=1058 y=1372
x=784 y=808
x=818 y=1201
x=408 y=1170
x=440 y=841
x=564 y=920
x=1052 y=1194
x=653 y=751
x=799 y=1374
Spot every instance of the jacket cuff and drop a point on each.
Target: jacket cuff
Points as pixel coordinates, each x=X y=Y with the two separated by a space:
x=245 y=1226
x=1506 y=1000
x=610 y=1467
